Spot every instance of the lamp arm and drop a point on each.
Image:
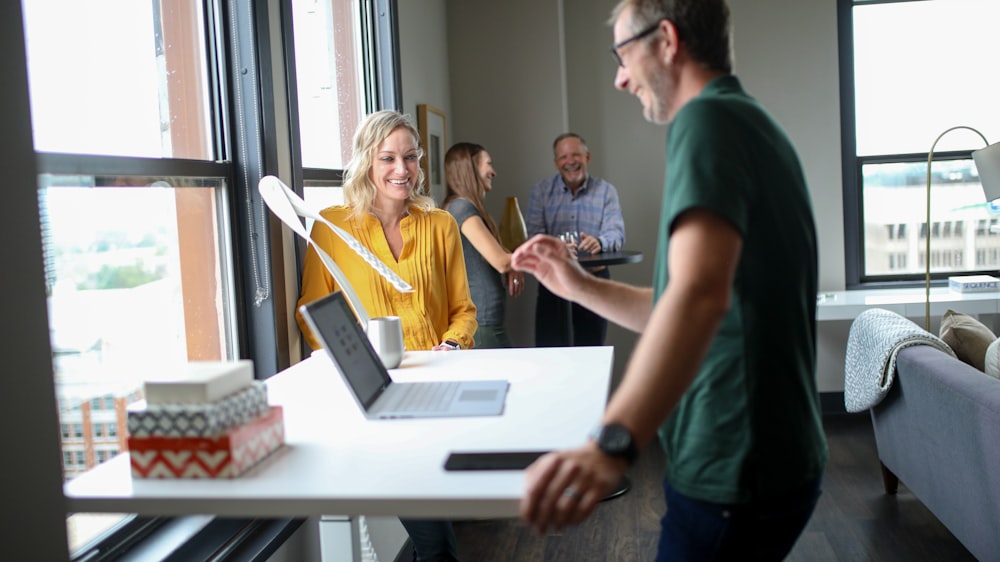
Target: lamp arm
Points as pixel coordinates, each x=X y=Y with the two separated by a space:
x=927 y=232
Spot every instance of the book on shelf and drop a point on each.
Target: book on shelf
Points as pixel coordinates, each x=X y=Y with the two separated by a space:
x=973 y=283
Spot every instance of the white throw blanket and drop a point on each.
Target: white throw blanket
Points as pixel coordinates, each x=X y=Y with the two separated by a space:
x=875 y=338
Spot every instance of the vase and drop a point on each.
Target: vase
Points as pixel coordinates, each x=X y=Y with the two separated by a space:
x=512 y=230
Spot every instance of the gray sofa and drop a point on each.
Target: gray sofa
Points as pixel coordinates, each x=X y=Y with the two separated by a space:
x=938 y=432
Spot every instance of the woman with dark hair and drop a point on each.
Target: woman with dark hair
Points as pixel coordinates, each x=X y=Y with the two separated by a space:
x=469 y=176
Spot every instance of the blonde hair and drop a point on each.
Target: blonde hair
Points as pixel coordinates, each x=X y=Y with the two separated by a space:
x=462 y=179
x=359 y=190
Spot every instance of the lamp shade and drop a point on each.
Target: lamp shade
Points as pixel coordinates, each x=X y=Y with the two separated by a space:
x=988 y=164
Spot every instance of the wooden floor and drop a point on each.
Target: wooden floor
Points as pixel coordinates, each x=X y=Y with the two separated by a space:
x=854 y=520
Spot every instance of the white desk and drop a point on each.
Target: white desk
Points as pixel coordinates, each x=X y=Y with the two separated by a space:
x=846 y=305
x=337 y=462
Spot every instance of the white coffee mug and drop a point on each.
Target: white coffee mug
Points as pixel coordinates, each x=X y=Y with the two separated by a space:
x=386 y=335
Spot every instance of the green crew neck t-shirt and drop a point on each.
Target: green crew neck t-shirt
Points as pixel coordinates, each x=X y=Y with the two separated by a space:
x=749 y=426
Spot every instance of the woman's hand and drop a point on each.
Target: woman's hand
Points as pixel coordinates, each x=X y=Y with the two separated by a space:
x=446 y=345
x=515 y=283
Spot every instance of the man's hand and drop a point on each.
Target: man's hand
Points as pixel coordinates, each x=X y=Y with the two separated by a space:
x=562 y=488
x=589 y=244
x=546 y=258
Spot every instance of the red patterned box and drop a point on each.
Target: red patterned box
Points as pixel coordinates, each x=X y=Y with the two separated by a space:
x=225 y=456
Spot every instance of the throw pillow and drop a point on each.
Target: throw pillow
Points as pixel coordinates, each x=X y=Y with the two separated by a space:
x=993 y=359
x=967 y=337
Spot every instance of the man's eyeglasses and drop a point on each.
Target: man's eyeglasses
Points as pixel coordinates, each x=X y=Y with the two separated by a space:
x=614 y=48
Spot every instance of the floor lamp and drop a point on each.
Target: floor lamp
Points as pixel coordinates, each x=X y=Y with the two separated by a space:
x=988 y=165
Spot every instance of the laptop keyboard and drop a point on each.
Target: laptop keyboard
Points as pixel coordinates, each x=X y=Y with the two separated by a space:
x=427 y=397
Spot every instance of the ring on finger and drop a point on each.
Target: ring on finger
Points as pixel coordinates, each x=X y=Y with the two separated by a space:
x=571 y=492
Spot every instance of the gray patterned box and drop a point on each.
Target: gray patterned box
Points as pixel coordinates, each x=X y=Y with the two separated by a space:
x=197 y=420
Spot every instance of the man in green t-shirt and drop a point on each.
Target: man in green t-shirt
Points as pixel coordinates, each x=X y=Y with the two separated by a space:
x=724 y=370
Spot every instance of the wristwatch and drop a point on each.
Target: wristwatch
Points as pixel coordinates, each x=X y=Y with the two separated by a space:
x=452 y=344
x=615 y=440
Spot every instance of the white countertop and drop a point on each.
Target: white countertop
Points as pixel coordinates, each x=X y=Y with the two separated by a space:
x=337 y=462
x=910 y=302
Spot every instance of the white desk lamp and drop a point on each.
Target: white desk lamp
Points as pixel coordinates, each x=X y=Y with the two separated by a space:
x=988 y=165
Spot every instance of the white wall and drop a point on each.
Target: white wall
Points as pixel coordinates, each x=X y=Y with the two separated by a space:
x=508 y=94
x=423 y=54
x=786 y=55
x=625 y=149
x=540 y=68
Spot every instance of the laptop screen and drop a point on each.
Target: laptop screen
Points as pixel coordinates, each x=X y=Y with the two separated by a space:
x=335 y=325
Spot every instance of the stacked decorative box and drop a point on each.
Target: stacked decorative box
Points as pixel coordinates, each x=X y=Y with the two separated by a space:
x=210 y=421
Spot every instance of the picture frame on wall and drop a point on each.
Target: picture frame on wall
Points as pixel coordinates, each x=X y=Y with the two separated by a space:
x=434 y=142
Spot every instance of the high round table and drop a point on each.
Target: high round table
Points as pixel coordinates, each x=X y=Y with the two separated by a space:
x=620 y=257
x=591 y=261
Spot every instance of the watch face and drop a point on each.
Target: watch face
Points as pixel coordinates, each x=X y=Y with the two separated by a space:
x=615 y=438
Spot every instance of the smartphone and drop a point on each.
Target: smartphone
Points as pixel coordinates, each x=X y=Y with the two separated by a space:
x=493 y=460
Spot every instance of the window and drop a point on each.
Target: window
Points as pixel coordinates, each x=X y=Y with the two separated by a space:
x=330 y=84
x=902 y=88
x=134 y=206
x=148 y=164
x=328 y=71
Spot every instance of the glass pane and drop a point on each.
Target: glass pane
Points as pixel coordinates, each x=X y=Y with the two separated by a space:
x=895 y=218
x=328 y=79
x=136 y=274
x=320 y=195
x=921 y=68
x=118 y=77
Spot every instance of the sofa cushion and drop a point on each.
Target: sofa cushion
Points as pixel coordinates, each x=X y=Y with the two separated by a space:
x=992 y=359
x=968 y=338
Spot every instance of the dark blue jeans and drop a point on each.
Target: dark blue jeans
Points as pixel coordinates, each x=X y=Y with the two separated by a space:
x=765 y=530
x=433 y=540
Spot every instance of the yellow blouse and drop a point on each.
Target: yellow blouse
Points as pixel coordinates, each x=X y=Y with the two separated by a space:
x=439 y=308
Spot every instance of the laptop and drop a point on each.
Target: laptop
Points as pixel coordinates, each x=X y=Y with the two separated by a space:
x=334 y=323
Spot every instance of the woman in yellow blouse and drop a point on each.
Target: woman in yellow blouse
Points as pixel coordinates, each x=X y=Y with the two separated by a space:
x=385 y=211
x=422 y=244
